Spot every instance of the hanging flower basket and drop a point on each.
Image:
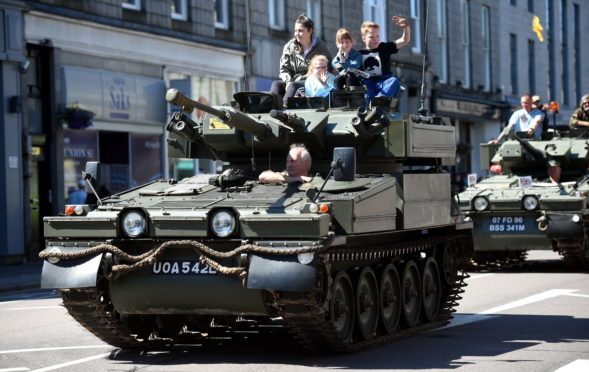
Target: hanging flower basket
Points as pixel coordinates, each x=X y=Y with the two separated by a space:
x=75 y=117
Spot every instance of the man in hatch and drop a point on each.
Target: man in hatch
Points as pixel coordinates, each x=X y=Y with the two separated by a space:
x=298 y=163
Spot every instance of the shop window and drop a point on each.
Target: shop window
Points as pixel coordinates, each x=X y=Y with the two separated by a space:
x=179 y=10
x=79 y=147
x=222 y=14
x=131 y=4
x=146 y=158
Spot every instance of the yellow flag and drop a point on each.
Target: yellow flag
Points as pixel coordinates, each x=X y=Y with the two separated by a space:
x=537 y=28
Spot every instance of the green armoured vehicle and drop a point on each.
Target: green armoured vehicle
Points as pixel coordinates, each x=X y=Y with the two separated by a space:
x=522 y=209
x=372 y=254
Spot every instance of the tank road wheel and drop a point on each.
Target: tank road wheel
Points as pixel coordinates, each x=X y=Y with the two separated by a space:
x=411 y=294
x=431 y=290
x=390 y=298
x=341 y=306
x=367 y=308
x=450 y=263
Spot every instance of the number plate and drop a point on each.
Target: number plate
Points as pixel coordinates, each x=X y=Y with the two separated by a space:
x=181 y=268
x=511 y=225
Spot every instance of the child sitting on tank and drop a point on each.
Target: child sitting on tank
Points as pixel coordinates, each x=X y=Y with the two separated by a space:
x=346 y=61
x=319 y=81
x=376 y=59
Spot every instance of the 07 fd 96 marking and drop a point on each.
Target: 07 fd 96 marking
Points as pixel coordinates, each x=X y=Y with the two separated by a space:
x=182 y=268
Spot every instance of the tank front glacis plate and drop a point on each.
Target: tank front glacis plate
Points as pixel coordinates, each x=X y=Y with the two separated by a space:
x=508 y=231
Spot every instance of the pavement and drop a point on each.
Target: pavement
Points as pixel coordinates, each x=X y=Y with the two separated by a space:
x=20 y=277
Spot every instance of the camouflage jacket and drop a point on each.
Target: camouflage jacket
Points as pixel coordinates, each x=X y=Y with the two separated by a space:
x=579 y=114
x=294 y=65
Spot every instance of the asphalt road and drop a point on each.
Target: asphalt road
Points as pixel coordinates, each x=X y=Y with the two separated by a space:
x=535 y=318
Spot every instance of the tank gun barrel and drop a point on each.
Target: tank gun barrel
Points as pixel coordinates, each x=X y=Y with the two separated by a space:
x=175 y=97
x=241 y=121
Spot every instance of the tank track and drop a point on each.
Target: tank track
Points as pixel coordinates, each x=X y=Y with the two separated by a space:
x=304 y=314
x=497 y=260
x=91 y=307
x=307 y=317
x=574 y=251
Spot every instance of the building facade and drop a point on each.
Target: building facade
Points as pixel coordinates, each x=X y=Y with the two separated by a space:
x=116 y=58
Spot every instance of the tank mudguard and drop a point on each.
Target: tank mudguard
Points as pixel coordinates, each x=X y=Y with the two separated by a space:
x=280 y=273
x=563 y=226
x=76 y=273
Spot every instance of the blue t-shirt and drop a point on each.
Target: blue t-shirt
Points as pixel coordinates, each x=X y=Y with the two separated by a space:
x=354 y=60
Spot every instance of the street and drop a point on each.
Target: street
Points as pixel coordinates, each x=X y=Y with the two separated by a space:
x=533 y=318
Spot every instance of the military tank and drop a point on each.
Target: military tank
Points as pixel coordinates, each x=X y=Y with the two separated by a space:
x=371 y=250
x=519 y=208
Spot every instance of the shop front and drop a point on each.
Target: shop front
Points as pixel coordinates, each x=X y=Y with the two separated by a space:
x=477 y=119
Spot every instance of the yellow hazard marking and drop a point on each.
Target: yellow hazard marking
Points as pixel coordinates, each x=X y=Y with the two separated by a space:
x=215 y=123
x=537 y=28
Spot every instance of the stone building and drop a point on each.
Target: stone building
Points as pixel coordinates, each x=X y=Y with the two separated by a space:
x=116 y=58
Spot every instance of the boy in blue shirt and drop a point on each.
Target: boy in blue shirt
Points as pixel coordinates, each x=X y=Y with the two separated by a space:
x=377 y=56
x=346 y=58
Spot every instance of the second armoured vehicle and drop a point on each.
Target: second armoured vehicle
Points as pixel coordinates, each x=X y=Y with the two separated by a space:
x=368 y=251
x=521 y=209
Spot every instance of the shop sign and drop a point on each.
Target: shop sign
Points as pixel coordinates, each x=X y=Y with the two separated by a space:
x=467 y=108
x=116 y=97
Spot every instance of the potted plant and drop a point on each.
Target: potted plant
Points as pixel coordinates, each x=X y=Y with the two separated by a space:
x=75 y=117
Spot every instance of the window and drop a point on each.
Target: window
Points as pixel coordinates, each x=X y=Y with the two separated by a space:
x=416 y=27
x=131 y=4
x=513 y=62
x=577 y=50
x=466 y=43
x=532 y=66
x=564 y=49
x=442 y=30
x=276 y=14
x=314 y=12
x=222 y=14
x=179 y=10
x=375 y=11
x=486 y=47
x=513 y=2
x=551 y=29
x=531 y=6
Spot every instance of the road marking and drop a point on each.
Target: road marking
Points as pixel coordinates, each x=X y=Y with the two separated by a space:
x=14 y=369
x=578 y=365
x=462 y=319
x=73 y=362
x=32 y=308
x=52 y=348
x=577 y=295
x=473 y=277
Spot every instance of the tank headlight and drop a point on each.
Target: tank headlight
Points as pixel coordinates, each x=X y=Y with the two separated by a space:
x=305 y=258
x=480 y=203
x=53 y=260
x=134 y=224
x=576 y=218
x=530 y=202
x=223 y=224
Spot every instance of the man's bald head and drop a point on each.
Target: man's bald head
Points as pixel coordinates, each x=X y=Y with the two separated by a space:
x=298 y=161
